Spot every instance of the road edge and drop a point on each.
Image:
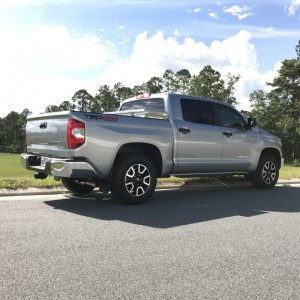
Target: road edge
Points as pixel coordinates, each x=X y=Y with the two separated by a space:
x=163 y=185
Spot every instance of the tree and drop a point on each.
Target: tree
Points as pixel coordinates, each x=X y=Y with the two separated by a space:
x=228 y=92
x=285 y=101
x=25 y=113
x=209 y=84
x=154 y=85
x=260 y=109
x=279 y=110
x=52 y=108
x=105 y=100
x=122 y=92
x=139 y=89
x=12 y=135
x=183 y=78
x=169 y=81
x=82 y=100
x=66 y=105
x=297 y=48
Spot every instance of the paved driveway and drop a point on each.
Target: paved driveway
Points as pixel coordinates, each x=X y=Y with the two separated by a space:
x=228 y=243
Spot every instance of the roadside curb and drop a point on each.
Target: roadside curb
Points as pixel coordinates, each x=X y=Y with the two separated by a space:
x=31 y=191
x=160 y=186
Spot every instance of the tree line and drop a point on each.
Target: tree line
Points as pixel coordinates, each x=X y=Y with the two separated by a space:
x=207 y=83
x=277 y=111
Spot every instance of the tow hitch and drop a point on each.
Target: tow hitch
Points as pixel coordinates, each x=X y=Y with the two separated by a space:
x=40 y=175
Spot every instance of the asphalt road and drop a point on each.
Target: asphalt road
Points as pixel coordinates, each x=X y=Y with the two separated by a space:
x=225 y=243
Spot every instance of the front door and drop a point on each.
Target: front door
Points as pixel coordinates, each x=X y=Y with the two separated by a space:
x=239 y=141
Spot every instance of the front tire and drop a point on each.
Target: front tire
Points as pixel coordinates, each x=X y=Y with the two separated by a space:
x=77 y=186
x=266 y=174
x=134 y=179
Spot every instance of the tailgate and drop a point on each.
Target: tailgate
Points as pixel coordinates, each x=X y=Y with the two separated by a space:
x=46 y=134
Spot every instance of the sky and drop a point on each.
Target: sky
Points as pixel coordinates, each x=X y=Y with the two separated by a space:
x=49 y=49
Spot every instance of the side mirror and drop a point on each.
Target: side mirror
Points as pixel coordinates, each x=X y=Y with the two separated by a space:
x=251 y=122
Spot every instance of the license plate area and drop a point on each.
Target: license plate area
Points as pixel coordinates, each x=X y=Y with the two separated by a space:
x=44 y=161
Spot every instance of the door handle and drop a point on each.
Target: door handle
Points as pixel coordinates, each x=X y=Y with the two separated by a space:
x=227 y=133
x=184 y=130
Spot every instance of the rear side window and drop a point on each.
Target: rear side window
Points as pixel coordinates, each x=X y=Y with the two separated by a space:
x=197 y=111
x=156 y=104
x=228 y=117
x=147 y=108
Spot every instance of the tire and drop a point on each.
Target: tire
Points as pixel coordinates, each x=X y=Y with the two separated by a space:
x=266 y=174
x=77 y=186
x=134 y=179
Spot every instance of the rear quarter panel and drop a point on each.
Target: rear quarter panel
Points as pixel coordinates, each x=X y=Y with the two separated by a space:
x=106 y=134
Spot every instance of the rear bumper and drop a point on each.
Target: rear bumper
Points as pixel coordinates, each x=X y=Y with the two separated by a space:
x=58 y=167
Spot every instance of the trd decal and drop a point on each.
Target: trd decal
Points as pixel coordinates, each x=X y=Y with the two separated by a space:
x=102 y=118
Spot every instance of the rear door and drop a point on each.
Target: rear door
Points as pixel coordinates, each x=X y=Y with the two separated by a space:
x=198 y=142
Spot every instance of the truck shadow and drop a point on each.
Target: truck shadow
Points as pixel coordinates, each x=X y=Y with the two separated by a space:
x=171 y=208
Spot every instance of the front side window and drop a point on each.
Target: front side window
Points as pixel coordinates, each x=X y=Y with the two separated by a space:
x=197 y=111
x=228 y=117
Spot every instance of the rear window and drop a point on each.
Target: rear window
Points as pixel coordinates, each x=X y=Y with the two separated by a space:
x=152 y=107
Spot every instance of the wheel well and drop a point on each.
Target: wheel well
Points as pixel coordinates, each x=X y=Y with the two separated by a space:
x=273 y=152
x=150 y=151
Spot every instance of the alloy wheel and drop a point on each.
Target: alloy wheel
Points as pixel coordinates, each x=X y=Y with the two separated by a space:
x=269 y=172
x=137 y=180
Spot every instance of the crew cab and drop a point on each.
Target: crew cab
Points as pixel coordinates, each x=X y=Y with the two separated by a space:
x=149 y=137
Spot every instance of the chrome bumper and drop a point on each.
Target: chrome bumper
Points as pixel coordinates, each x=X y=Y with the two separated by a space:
x=58 y=167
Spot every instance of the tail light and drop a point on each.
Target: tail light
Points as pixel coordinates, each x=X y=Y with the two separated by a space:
x=76 y=133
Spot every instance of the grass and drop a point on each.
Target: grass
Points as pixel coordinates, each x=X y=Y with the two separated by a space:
x=14 y=176
x=289 y=172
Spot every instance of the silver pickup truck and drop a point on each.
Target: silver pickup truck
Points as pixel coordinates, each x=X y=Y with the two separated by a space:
x=150 y=136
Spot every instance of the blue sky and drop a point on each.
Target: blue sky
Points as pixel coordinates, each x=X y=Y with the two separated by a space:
x=51 y=49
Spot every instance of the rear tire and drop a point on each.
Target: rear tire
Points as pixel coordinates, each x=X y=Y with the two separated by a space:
x=134 y=179
x=266 y=174
x=77 y=186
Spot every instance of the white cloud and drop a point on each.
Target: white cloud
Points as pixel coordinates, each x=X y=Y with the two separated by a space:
x=152 y=55
x=242 y=12
x=271 y=32
x=294 y=5
x=176 y=33
x=55 y=48
x=43 y=67
x=195 y=10
x=122 y=27
x=214 y=15
x=49 y=65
